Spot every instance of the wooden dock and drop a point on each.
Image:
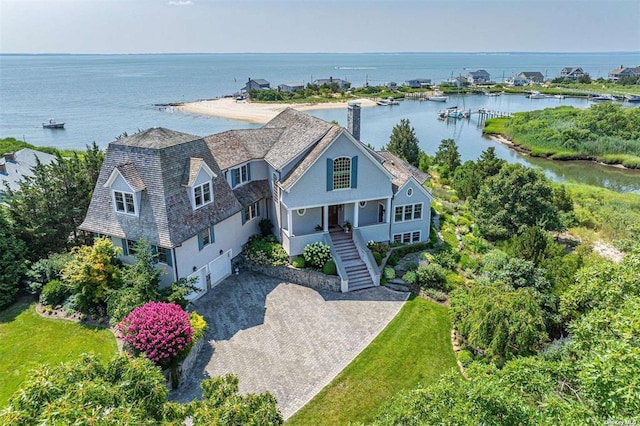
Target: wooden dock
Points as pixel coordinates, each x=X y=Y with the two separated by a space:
x=484 y=114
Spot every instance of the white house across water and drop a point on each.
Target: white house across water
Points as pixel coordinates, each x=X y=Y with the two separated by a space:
x=198 y=200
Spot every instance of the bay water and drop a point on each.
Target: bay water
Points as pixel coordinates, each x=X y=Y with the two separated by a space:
x=101 y=96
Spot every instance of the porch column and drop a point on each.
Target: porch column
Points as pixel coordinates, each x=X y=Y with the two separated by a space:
x=356 y=211
x=388 y=218
x=290 y=222
x=325 y=218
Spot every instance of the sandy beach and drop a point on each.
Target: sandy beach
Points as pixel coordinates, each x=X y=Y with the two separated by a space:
x=257 y=112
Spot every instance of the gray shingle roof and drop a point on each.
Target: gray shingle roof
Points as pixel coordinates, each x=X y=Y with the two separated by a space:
x=253 y=191
x=162 y=158
x=235 y=147
x=131 y=175
x=300 y=132
x=401 y=170
x=24 y=160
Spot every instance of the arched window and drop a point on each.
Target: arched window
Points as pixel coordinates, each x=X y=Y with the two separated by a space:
x=342 y=173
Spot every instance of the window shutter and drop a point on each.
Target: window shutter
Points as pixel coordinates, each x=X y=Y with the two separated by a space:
x=244 y=215
x=234 y=177
x=169 y=257
x=125 y=249
x=200 y=242
x=354 y=172
x=212 y=235
x=329 y=174
x=249 y=172
x=257 y=208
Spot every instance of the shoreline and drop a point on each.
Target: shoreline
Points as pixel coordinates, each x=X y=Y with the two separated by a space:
x=259 y=113
x=504 y=141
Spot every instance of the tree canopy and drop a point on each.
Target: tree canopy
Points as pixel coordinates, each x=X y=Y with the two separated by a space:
x=12 y=261
x=448 y=156
x=404 y=143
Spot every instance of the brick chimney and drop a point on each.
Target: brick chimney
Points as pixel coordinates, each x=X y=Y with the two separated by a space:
x=353 y=119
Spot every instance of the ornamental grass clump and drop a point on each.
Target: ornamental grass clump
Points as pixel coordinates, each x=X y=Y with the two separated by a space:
x=316 y=254
x=161 y=331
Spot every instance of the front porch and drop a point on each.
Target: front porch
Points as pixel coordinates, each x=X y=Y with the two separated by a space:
x=303 y=226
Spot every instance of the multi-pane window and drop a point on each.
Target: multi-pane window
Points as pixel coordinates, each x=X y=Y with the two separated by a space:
x=205 y=237
x=251 y=211
x=408 y=212
x=407 y=237
x=164 y=255
x=132 y=247
x=342 y=173
x=124 y=202
x=202 y=194
x=240 y=175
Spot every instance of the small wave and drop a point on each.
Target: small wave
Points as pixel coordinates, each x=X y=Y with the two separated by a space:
x=356 y=68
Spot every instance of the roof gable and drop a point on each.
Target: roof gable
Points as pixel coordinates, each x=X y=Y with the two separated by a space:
x=401 y=170
x=236 y=147
x=196 y=165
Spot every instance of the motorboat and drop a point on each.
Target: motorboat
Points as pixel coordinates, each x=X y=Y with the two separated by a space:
x=453 y=112
x=438 y=97
x=536 y=95
x=632 y=98
x=53 y=124
x=387 y=102
x=602 y=98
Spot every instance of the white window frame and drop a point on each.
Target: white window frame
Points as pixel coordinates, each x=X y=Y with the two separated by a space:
x=409 y=237
x=341 y=176
x=206 y=234
x=362 y=204
x=243 y=174
x=301 y=212
x=201 y=188
x=408 y=212
x=251 y=212
x=125 y=205
x=409 y=192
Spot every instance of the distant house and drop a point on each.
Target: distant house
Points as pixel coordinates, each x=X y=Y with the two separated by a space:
x=259 y=84
x=532 y=77
x=623 y=71
x=517 y=81
x=478 y=77
x=342 y=84
x=197 y=200
x=14 y=166
x=290 y=87
x=573 y=73
x=391 y=85
x=417 y=83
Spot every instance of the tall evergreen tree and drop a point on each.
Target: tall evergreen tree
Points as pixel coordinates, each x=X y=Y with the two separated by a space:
x=12 y=263
x=404 y=143
x=448 y=156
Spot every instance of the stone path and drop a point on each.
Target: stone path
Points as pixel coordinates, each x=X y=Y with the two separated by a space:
x=285 y=338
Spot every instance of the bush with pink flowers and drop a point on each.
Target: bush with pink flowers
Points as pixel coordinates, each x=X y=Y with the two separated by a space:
x=161 y=331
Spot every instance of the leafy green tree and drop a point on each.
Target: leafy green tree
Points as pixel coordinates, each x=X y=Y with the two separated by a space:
x=48 y=207
x=404 y=143
x=516 y=198
x=93 y=273
x=533 y=244
x=12 y=262
x=467 y=180
x=448 y=156
x=489 y=164
x=500 y=320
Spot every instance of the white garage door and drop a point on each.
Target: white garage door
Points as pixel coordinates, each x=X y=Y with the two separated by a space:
x=220 y=268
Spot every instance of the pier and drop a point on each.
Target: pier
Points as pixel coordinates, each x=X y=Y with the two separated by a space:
x=484 y=114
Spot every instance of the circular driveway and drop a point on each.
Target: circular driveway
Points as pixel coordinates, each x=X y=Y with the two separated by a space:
x=284 y=338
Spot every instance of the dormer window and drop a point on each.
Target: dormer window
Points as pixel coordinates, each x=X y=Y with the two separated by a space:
x=202 y=195
x=240 y=175
x=124 y=202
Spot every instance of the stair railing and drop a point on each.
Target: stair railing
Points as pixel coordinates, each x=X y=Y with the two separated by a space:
x=366 y=256
x=342 y=272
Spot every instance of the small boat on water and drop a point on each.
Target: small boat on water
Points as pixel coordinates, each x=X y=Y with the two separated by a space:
x=453 y=112
x=602 y=98
x=438 y=97
x=536 y=95
x=53 y=124
x=632 y=98
x=491 y=93
x=387 y=102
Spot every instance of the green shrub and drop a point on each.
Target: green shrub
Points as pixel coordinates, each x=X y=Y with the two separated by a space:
x=410 y=265
x=447 y=258
x=393 y=260
x=453 y=281
x=45 y=270
x=434 y=294
x=266 y=227
x=410 y=277
x=54 y=293
x=378 y=257
x=389 y=273
x=298 y=262
x=405 y=250
x=316 y=254
x=432 y=276
x=198 y=325
x=266 y=251
x=465 y=357
x=329 y=268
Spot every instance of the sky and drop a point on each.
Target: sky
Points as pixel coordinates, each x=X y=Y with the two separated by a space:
x=217 y=26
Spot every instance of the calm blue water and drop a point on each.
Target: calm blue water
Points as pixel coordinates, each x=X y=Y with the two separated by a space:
x=101 y=96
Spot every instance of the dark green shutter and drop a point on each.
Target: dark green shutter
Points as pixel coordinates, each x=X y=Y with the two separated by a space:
x=125 y=248
x=200 y=242
x=354 y=171
x=244 y=215
x=212 y=235
x=258 y=208
x=329 y=174
x=234 y=177
x=249 y=172
x=169 y=257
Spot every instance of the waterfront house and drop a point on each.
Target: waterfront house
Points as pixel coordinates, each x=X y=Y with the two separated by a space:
x=291 y=87
x=341 y=84
x=623 y=71
x=15 y=166
x=478 y=77
x=417 y=83
x=198 y=200
x=573 y=73
x=532 y=77
x=259 y=84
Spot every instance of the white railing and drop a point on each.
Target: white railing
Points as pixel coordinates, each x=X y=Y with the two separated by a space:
x=342 y=272
x=366 y=256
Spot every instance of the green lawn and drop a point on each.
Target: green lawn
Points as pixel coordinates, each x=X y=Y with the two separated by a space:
x=28 y=340
x=414 y=348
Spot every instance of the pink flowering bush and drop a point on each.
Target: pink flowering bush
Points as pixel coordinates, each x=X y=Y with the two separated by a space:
x=161 y=331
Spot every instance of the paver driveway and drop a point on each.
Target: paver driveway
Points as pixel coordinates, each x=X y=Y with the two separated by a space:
x=285 y=338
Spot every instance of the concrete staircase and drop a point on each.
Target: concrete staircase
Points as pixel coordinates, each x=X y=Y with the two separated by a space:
x=357 y=271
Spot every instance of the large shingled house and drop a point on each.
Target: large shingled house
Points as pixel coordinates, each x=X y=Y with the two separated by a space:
x=198 y=200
